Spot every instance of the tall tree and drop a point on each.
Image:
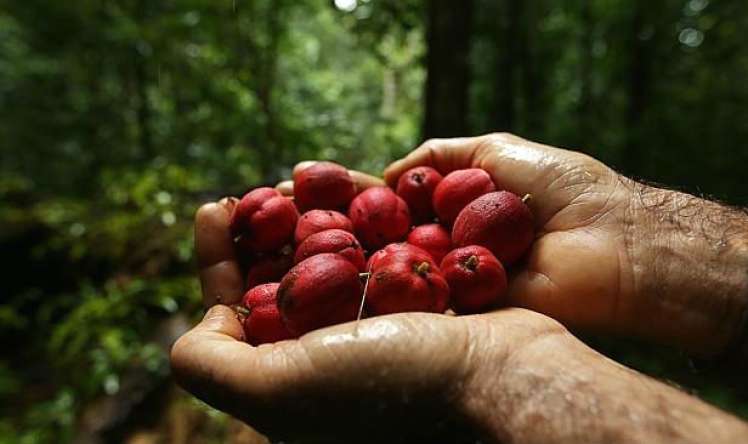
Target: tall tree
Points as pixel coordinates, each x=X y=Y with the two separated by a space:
x=448 y=35
x=506 y=47
x=584 y=105
x=637 y=85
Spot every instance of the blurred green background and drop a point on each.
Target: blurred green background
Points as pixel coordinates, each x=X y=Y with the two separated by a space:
x=118 y=118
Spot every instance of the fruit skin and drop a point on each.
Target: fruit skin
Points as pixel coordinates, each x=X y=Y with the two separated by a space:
x=477 y=280
x=406 y=280
x=264 y=219
x=499 y=221
x=263 y=323
x=332 y=241
x=320 y=291
x=379 y=217
x=270 y=268
x=314 y=221
x=433 y=238
x=324 y=185
x=458 y=189
x=397 y=248
x=416 y=186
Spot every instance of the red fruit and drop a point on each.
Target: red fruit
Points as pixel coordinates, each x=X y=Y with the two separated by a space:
x=332 y=241
x=477 y=280
x=320 y=291
x=458 y=189
x=433 y=238
x=392 y=249
x=416 y=186
x=406 y=280
x=324 y=185
x=270 y=268
x=263 y=322
x=314 y=221
x=379 y=217
x=264 y=219
x=499 y=221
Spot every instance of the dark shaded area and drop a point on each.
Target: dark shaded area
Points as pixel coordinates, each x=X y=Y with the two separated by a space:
x=448 y=32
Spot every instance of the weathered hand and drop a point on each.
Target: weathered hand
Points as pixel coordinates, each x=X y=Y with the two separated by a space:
x=579 y=270
x=379 y=380
x=611 y=255
x=386 y=379
x=415 y=375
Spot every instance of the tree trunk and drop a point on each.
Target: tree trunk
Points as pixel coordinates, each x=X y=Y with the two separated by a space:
x=448 y=71
x=638 y=82
x=506 y=45
x=143 y=110
x=534 y=80
x=584 y=107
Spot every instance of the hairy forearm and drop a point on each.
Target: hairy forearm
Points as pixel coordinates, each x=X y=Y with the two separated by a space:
x=690 y=263
x=558 y=390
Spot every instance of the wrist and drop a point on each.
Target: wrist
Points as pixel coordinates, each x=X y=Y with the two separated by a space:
x=510 y=367
x=690 y=268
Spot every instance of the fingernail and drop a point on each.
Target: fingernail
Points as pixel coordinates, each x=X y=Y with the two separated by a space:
x=228 y=203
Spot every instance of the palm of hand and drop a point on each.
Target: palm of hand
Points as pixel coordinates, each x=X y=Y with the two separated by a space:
x=578 y=270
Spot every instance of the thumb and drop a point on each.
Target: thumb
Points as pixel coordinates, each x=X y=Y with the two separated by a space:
x=220 y=320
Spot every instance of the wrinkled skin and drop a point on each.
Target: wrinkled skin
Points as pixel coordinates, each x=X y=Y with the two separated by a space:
x=580 y=209
x=355 y=382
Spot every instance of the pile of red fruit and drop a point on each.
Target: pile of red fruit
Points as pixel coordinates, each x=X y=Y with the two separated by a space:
x=309 y=271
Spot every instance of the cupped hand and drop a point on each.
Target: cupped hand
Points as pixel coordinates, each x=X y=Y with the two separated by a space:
x=383 y=379
x=395 y=378
x=579 y=269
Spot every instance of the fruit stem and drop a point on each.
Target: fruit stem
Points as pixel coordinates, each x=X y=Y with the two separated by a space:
x=422 y=268
x=364 y=275
x=526 y=198
x=472 y=263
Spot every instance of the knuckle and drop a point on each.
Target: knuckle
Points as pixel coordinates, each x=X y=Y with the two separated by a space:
x=431 y=144
x=501 y=137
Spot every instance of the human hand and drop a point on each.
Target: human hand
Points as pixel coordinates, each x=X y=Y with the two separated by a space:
x=383 y=379
x=417 y=375
x=611 y=255
x=387 y=379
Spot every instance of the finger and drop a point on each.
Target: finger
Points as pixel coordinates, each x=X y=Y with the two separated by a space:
x=220 y=274
x=362 y=180
x=285 y=187
x=515 y=165
x=444 y=155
